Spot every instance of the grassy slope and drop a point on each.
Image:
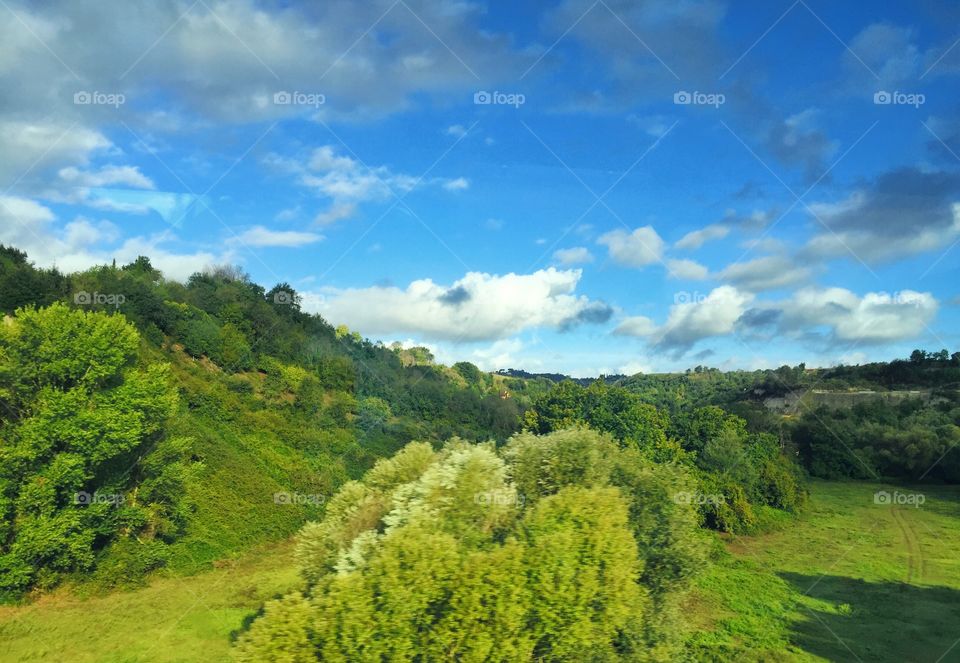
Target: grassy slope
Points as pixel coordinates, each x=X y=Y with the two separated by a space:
x=885 y=581
x=852 y=580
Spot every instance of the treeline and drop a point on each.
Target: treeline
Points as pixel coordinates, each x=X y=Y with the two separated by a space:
x=912 y=440
x=741 y=475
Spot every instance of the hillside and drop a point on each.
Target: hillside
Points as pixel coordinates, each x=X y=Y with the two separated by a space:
x=273 y=408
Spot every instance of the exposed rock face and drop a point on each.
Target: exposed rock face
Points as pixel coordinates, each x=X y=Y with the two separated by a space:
x=790 y=403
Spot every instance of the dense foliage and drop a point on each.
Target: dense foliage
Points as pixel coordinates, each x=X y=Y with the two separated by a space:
x=272 y=400
x=79 y=412
x=910 y=440
x=738 y=470
x=556 y=548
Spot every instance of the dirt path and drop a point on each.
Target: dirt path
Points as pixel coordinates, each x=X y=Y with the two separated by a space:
x=914 y=550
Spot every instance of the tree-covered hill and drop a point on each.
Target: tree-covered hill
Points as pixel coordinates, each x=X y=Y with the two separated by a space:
x=146 y=423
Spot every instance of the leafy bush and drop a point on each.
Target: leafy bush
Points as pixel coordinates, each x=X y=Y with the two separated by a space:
x=559 y=548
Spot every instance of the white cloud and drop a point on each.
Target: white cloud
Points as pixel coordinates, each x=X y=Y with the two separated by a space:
x=899 y=213
x=456 y=130
x=637 y=249
x=766 y=273
x=82 y=243
x=476 y=307
x=107 y=176
x=29 y=148
x=697 y=238
x=573 y=256
x=458 y=184
x=636 y=326
x=687 y=269
x=875 y=318
x=715 y=315
x=634 y=367
x=347 y=182
x=260 y=236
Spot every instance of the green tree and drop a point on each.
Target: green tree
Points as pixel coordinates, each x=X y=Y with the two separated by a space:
x=79 y=410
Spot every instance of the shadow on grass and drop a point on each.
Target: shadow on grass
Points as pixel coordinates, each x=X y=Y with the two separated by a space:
x=877 y=621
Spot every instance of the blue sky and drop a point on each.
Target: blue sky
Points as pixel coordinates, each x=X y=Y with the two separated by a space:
x=569 y=186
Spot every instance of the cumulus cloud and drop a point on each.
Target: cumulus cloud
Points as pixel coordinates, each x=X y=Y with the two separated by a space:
x=639 y=248
x=29 y=148
x=766 y=273
x=637 y=325
x=226 y=60
x=714 y=315
x=687 y=269
x=697 y=238
x=107 y=176
x=574 y=256
x=874 y=318
x=900 y=213
x=476 y=307
x=83 y=243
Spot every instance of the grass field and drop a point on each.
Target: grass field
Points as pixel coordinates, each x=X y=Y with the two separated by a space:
x=850 y=580
x=174 y=619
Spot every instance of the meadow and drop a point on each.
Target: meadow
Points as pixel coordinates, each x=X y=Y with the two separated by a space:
x=850 y=580
x=853 y=580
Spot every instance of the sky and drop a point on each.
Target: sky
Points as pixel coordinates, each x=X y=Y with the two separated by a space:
x=567 y=186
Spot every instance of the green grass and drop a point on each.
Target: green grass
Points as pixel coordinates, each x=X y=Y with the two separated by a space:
x=849 y=580
x=174 y=619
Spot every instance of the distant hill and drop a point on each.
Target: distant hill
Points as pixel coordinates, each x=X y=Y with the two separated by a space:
x=556 y=377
